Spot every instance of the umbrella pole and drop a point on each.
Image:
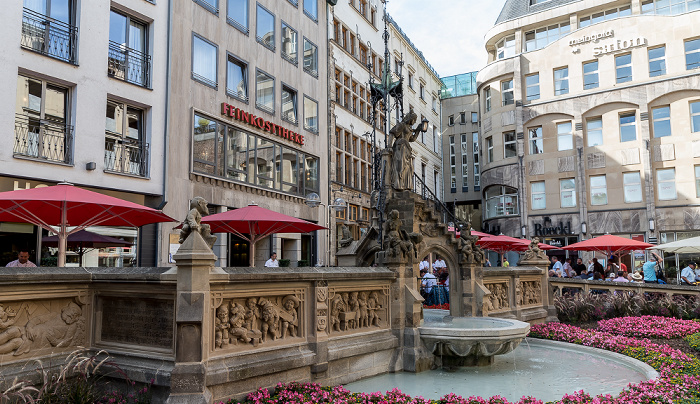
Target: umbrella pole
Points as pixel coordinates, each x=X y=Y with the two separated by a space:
x=62 y=237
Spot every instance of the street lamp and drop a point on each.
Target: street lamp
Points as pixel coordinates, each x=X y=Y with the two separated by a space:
x=314 y=201
x=424 y=125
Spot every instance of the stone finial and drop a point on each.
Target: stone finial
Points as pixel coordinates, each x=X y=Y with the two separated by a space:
x=193 y=222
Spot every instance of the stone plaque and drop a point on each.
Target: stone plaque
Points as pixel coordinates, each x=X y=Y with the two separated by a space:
x=536 y=167
x=138 y=321
x=566 y=164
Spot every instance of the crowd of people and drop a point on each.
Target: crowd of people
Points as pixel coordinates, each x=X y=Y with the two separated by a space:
x=435 y=281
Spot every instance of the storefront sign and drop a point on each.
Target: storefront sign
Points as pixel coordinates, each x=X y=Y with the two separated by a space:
x=546 y=228
x=619 y=46
x=592 y=38
x=260 y=123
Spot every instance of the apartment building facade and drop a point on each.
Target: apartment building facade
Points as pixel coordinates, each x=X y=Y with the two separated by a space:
x=247 y=118
x=591 y=120
x=85 y=83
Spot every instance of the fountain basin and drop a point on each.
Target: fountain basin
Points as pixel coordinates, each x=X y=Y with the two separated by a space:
x=469 y=341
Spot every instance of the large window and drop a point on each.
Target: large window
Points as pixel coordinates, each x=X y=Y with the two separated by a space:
x=489 y=149
x=125 y=149
x=567 y=192
x=41 y=121
x=695 y=116
x=565 y=139
x=536 y=141
x=692 y=54
x=561 y=81
x=541 y=37
x=453 y=164
x=265 y=28
x=604 y=15
x=289 y=44
x=311 y=9
x=289 y=104
x=204 y=54
x=475 y=151
x=509 y=145
x=487 y=99
x=237 y=14
x=310 y=115
x=664 y=7
x=475 y=117
x=666 y=184
x=661 y=117
x=237 y=78
x=265 y=92
x=532 y=87
x=211 y=5
x=632 y=184
x=657 y=61
x=623 y=68
x=590 y=75
x=599 y=190
x=224 y=151
x=505 y=48
x=465 y=166
x=501 y=201
x=594 y=131
x=628 y=127
x=538 y=196
x=48 y=27
x=507 y=92
x=127 y=56
x=310 y=58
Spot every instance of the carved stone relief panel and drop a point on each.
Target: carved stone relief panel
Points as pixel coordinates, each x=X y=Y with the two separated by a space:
x=322 y=306
x=358 y=309
x=536 y=167
x=626 y=221
x=596 y=160
x=28 y=327
x=497 y=300
x=486 y=123
x=664 y=152
x=566 y=164
x=247 y=320
x=528 y=292
x=505 y=175
x=629 y=156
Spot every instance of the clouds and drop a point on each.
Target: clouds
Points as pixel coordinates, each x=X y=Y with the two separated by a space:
x=450 y=33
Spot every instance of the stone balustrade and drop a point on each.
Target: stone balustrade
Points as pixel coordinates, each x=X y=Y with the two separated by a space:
x=558 y=285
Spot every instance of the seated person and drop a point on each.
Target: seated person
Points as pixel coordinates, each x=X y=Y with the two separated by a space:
x=688 y=274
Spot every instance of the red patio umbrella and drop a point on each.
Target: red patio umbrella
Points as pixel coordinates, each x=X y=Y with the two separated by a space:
x=542 y=246
x=58 y=207
x=608 y=245
x=253 y=223
x=84 y=240
x=502 y=244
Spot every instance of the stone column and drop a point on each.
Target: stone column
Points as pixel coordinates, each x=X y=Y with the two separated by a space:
x=319 y=338
x=467 y=292
x=547 y=294
x=193 y=323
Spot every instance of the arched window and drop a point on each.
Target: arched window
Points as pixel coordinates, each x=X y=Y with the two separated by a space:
x=501 y=201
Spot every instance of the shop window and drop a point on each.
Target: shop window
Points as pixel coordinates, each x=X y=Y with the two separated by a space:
x=661 y=118
x=532 y=87
x=237 y=14
x=628 y=127
x=567 y=192
x=565 y=140
x=632 y=184
x=657 y=61
x=594 y=131
x=599 y=190
x=538 y=195
x=204 y=56
x=590 y=75
x=501 y=201
x=536 y=141
x=666 y=184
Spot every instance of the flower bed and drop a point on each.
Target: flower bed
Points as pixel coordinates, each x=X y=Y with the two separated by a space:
x=649 y=327
x=444 y=306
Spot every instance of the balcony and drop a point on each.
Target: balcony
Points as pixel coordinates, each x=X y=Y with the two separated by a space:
x=126 y=157
x=129 y=65
x=49 y=37
x=44 y=140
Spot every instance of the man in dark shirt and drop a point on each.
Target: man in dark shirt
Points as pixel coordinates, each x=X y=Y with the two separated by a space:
x=579 y=267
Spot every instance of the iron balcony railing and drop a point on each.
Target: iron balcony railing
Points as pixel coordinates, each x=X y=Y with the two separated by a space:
x=49 y=37
x=421 y=189
x=126 y=157
x=129 y=65
x=41 y=139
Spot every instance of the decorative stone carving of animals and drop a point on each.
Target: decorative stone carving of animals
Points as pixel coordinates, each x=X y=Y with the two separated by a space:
x=534 y=252
x=193 y=222
x=289 y=315
x=344 y=236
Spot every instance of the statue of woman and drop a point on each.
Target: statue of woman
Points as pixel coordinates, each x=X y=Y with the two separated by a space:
x=402 y=160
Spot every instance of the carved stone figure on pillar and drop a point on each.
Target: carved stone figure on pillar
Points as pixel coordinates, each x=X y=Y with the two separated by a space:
x=344 y=236
x=534 y=252
x=193 y=222
x=402 y=160
x=398 y=242
x=471 y=252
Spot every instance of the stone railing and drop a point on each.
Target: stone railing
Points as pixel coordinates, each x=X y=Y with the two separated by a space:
x=558 y=285
x=516 y=292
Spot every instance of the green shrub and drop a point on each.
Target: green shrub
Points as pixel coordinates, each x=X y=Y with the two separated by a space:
x=285 y=262
x=303 y=263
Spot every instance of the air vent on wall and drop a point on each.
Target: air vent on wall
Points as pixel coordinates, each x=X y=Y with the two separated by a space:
x=644 y=116
x=579 y=125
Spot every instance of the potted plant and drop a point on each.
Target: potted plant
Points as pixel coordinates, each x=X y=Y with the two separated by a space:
x=284 y=262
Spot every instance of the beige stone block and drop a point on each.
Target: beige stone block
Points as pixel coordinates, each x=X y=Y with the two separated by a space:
x=629 y=156
x=536 y=167
x=360 y=363
x=664 y=152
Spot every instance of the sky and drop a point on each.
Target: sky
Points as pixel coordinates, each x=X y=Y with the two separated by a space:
x=450 y=33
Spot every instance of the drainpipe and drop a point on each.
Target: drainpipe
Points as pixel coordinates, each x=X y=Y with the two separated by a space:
x=164 y=196
x=330 y=131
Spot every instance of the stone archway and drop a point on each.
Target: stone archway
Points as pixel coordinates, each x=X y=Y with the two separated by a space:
x=451 y=260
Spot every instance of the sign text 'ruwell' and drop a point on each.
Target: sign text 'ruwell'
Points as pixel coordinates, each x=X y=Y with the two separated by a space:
x=260 y=123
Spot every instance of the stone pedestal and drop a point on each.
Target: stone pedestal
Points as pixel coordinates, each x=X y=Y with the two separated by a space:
x=467 y=293
x=547 y=294
x=193 y=329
